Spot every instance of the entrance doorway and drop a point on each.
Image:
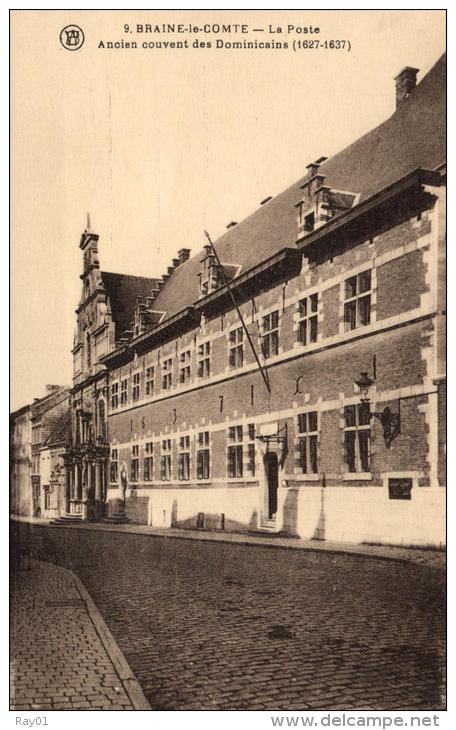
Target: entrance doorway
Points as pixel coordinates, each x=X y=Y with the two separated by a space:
x=271 y=465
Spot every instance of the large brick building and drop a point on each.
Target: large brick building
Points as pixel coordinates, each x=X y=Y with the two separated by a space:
x=292 y=377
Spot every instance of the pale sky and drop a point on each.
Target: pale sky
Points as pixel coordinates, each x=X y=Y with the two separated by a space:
x=161 y=144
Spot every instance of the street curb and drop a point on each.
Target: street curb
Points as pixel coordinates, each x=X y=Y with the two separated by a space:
x=404 y=560
x=130 y=683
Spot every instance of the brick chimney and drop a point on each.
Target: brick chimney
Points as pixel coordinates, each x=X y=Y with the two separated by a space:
x=405 y=83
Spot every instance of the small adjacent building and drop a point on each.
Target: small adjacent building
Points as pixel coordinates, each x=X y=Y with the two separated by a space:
x=30 y=428
x=52 y=462
x=45 y=413
x=21 y=462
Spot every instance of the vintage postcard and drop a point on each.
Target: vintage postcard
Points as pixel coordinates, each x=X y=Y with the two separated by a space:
x=228 y=362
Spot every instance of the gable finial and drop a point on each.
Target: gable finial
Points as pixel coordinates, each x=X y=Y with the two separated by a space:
x=88 y=222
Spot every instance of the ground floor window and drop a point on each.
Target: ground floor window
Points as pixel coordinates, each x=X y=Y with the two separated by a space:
x=251 y=449
x=308 y=442
x=241 y=450
x=134 y=475
x=202 y=456
x=113 y=473
x=148 y=461
x=235 y=451
x=357 y=438
x=183 y=463
x=165 y=461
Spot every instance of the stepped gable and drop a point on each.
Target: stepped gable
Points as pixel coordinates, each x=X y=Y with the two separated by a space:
x=123 y=291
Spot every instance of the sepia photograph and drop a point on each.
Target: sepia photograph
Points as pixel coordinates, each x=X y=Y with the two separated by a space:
x=228 y=363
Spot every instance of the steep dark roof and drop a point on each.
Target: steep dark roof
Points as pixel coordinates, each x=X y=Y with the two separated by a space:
x=20 y=411
x=122 y=291
x=414 y=136
x=40 y=406
x=61 y=431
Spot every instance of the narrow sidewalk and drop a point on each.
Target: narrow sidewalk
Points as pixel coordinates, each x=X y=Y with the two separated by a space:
x=63 y=656
x=420 y=556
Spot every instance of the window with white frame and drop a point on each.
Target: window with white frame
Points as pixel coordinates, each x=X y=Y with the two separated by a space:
x=202 y=455
x=251 y=449
x=183 y=459
x=307 y=442
x=357 y=437
x=241 y=451
x=185 y=366
x=308 y=319
x=235 y=451
x=270 y=335
x=150 y=380
x=236 y=348
x=167 y=374
x=123 y=391
x=134 y=472
x=165 y=460
x=204 y=360
x=357 y=300
x=102 y=426
x=114 y=466
x=135 y=393
x=114 y=395
x=148 y=467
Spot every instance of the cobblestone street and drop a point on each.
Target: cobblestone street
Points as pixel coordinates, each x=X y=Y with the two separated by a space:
x=208 y=625
x=58 y=661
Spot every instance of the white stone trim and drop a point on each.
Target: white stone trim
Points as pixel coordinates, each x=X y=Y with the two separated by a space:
x=413 y=475
x=258 y=419
x=360 y=476
x=407 y=317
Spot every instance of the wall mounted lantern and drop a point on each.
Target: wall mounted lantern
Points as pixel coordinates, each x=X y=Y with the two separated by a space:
x=390 y=421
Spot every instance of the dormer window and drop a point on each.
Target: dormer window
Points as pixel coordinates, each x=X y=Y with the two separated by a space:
x=320 y=204
x=309 y=222
x=212 y=276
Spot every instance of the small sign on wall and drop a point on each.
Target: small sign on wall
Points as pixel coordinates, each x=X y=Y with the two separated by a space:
x=269 y=429
x=400 y=488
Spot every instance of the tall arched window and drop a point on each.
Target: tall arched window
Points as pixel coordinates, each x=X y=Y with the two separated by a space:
x=102 y=421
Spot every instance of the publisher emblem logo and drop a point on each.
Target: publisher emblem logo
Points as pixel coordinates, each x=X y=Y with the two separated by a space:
x=72 y=37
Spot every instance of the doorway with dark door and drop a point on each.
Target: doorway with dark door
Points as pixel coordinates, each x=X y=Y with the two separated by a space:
x=271 y=465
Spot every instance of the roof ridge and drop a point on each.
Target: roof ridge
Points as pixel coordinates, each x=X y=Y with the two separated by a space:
x=131 y=276
x=412 y=136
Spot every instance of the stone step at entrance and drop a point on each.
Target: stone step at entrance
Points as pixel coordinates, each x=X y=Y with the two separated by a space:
x=67 y=519
x=117 y=518
x=266 y=527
